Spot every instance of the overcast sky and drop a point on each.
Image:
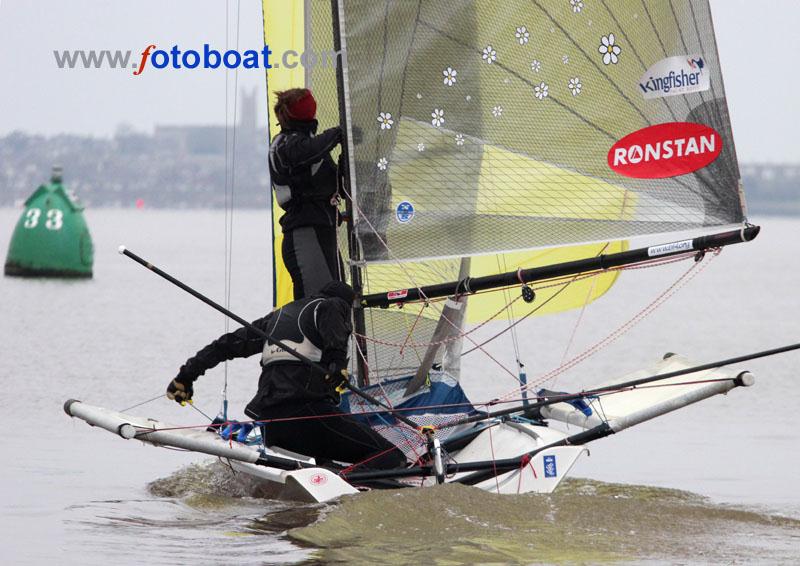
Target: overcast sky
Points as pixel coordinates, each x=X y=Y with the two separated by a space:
x=758 y=41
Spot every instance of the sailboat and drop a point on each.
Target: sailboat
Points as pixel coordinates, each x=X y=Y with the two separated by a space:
x=507 y=154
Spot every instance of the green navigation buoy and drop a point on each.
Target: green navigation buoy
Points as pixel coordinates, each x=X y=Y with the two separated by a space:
x=51 y=238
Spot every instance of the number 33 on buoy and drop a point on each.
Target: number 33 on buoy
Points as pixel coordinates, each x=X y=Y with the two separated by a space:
x=51 y=238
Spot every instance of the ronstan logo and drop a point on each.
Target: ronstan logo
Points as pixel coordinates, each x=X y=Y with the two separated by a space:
x=665 y=150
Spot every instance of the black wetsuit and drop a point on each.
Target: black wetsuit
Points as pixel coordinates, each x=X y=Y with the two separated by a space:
x=303 y=176
x=319 y=328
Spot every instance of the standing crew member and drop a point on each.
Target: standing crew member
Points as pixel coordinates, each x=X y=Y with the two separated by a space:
x=304 y=178
x=319 y=328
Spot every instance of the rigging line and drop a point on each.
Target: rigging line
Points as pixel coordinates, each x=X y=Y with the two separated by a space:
x=617 y=333
x=509 y=306
x=226 y=322
x=229 y=218
x=556 y=282
x=586 y=302
x=376 y=358
x=192 y=405
x=608 y=339
x=233 y=152
x=574 y=332
x=159 y=396
x=410 y=277
x=565 y=285
x=690 y=274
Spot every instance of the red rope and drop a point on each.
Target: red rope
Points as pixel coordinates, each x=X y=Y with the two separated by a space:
x=687 y=276
x=351 y=467
x=585 y=393
x=524 y=461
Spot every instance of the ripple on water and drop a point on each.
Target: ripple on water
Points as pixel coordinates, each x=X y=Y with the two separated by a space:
x=205 y=513
x=200 y=513
x=585 y=521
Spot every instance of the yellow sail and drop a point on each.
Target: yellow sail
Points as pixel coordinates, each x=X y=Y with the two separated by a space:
x=283 y=27
x=551 y=297
x=286 y=28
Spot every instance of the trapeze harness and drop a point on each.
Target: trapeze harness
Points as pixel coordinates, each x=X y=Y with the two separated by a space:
x=284 y=379
x=304 y=179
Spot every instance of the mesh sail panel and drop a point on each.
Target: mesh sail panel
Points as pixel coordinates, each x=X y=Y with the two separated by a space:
x=391 y=349
x=487 y=126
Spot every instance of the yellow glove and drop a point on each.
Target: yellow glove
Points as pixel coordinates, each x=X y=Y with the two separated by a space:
x=338 y=380
x=180 y=392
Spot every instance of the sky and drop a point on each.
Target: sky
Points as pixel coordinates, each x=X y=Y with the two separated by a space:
x=758 y=42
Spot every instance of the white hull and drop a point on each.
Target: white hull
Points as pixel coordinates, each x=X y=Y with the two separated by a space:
x=542 y=475
x=504 y=440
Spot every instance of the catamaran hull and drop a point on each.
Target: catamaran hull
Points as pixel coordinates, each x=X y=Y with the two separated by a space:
x=541 y=475
x=509 y=456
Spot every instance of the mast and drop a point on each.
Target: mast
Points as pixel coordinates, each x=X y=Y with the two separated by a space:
x=451 y=322
x=359 y=322
x=472 y=285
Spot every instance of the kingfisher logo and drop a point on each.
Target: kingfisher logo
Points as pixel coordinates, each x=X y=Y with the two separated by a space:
x=665 y=150
x=672 y=76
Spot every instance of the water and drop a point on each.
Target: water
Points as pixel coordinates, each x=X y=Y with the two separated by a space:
x=80 y=495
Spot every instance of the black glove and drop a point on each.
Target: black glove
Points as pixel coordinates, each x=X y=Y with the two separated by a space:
x=180 y=391
x=337 y=378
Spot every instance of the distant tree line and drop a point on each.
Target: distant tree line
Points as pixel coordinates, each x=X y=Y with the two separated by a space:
x=176 y=167
x=185 y=167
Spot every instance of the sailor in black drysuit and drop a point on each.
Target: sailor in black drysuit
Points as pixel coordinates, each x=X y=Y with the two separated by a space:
x=319 y=328
x=303 y=176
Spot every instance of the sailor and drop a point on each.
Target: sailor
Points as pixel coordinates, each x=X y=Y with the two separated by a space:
x=303 y=176
x=303 y=399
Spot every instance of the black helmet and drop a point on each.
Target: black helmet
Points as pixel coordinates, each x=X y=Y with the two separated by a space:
x=339 y=289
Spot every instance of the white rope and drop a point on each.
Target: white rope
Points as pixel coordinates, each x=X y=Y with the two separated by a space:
x=230 y=181
x=422 y=294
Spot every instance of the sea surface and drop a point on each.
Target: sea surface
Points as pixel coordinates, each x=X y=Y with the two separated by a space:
x=714 y=483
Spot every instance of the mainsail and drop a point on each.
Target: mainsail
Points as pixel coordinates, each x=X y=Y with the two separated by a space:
x=490 y=131
x=502 y=117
